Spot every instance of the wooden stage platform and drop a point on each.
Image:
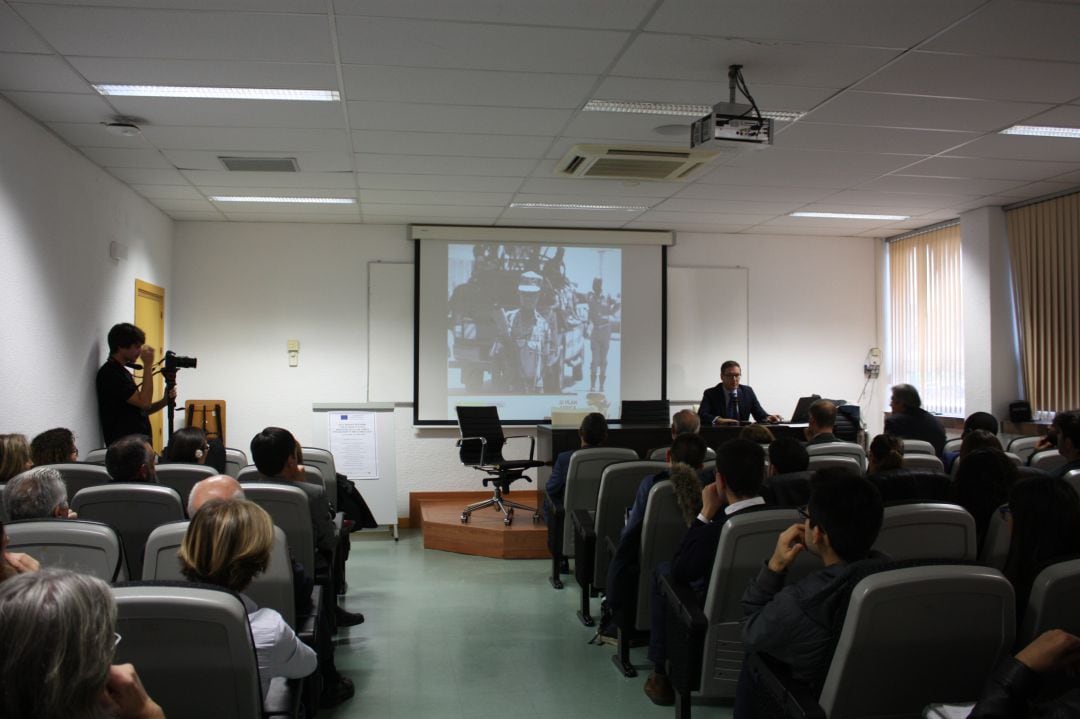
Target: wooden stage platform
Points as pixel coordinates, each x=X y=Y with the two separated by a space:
x=484 y=535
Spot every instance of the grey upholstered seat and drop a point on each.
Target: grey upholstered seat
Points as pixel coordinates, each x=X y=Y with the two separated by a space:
x=995 y=547
x=583 y=483
x=80 y=475
x=322 y=460
x=1052 y=603
x=1024 y=446
x=660 y=454
x=95 y=456
x=193 y=649
x=77 y=544
x=133 y=509
x=273 y=588
x=235 y=460
x=922 y=462
x=821 y=461
x=839 y=449
x=953 y=445
x=288 y=507
x=618 y=487
x=927 y=531
x=1047 y=460
x=661 y=531
x=918 y=446
x=182 y=477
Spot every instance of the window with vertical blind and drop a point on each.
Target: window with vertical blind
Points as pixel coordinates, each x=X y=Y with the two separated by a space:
x=1044 y=244
x=925 y=330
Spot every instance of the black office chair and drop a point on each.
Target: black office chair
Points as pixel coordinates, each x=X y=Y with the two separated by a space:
x=481 y=446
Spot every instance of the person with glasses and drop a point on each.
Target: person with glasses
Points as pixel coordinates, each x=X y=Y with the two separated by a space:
x=190 y=445
x=58 y=630
x=54 y=446
x=731 y=402
x=132 y=459
x=792 y=622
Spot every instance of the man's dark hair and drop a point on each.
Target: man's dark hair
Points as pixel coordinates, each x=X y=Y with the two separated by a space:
x=823 y=412
x=271 y=449
x=688 y=449
x=979 y=439
x=907 y=395
x=742 y=465
x=848 y=508
x=126 y=455
x=1068 y=425
x=593 y=429
x=980 y=420
x=788 y=454
x=728 y=365
x=125 y=334
x=53 y=446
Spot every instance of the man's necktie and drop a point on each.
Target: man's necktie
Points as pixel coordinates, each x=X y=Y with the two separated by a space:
x=733 y=406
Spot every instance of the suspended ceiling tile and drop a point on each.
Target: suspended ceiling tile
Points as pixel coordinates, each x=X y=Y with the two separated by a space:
x=615 y=217
x=170 y=205
x=599 y=188
x=249 y=139
x=373 y=219
x=704 y=218
x=450 y=144
x=412 y=197
x=988 y=169
x=703 y=92
x=455 y=118
x=307 y=161
x=16 y=35
x=206 y=73
x=448 y=183
x=646 y=222
x=484 y=166
x=428 y=211
x=913 y=111
x=466 y=87
x=168 y=111
x=719 y=207
x=778 y=167
x=1023 y=147
x=1030 y=30
x=752 y=193
x=280 y=191
x=299 y=6
x=39 y=72
x=626 y=14
x=296 y=218
x=855 y=138
x=140 y=176
x=313 y=180
x=123 y=157
x=889 y=202
x=63 y=107
x=167 y=192
x=95 y=135
x=954 y=186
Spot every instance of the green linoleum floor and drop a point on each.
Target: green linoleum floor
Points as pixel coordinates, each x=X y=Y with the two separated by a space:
x=449 y=635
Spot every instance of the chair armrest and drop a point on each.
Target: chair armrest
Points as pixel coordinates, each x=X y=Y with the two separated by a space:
x=683 y=603
x=686 y=626
x=584 y=547
x=776 y=691
x=481 y=440
x=583 y=523
x=282 y=699
x=532 y=442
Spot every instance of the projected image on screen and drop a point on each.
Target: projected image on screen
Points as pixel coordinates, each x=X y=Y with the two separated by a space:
x=534 y=326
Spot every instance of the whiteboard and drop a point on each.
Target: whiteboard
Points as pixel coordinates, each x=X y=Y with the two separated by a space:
x=708 y=321
x=390 y=331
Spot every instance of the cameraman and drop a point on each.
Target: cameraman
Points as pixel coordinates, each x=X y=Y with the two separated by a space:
x=123 y=407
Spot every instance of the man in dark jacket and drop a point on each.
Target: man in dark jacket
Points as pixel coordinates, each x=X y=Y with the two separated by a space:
x=910 y=421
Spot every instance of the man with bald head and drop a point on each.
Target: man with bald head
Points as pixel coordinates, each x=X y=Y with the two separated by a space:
x=685 y=421
x=220 y=486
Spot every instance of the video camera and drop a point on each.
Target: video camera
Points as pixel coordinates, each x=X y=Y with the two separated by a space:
x=174 y=362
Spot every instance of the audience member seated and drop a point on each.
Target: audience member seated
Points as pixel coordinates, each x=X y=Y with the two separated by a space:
x=787 y=483
x=14 y=456
x=54 y=446
x=983 y=481
x=1044 y=519
x=1012 y=690
x=976 y=420
x=822 y=422
x=886 y=454
x=37 y=494
x=794 y=623
x=592 y=432
x=1065 y=435
x=131 y=459
x=758 y=433
x=737 y=489
x=979 y=439
x=277 y=456
x=227 y=543
x=14 y=562
x=910 y=421
x=685 y=449
x=58 y=630
x=190 y=446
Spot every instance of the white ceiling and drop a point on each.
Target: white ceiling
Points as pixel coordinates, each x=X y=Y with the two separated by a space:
x=452 y=110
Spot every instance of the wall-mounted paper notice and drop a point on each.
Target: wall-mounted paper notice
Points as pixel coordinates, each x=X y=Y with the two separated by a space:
x=352 y=442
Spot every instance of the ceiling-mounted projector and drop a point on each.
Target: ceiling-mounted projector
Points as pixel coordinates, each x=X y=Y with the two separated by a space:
x=731 y=122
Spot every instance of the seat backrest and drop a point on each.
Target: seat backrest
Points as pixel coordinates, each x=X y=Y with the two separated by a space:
x=481 y=434
x=1047 y=460
x=844 y=449
x=235 y=460
x=583 y=483
x=80 y=475
x=903 y=485
x=791 y=489
x=661 y=531
x=660 y=454
x=273 y=588
x=133 y=510
x=321 y=459
x=95 y=456
x=995 y=546
x=918 y=446
x=77 y=544
x=1073 y=478
x=927 y=531
x=618 y=487
x=922 y=462
x=1016 y=459
x=953 y=445
x=1052 y=603
x=193 y=649
x=288 y=507
x=182 y=477
x=917 y=635
x=1024 y=447
x=821 y=461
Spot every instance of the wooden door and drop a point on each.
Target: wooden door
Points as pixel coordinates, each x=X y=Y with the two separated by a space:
x=150 y=318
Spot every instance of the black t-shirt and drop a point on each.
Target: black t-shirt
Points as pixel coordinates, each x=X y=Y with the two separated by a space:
x=115 y=385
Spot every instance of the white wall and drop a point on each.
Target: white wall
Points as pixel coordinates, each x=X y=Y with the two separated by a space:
x=59 y=290
x=243 y=289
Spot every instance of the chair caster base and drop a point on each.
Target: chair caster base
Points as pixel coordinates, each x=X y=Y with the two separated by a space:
x=508 y=521
x=464 y=518
x=556 y=582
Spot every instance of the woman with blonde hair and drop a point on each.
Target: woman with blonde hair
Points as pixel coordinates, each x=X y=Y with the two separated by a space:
x=14 y=455
x=227 y=544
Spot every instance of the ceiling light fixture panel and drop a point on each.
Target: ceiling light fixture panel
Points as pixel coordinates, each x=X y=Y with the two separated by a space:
x=219 y=93
x=575 y=206
x=1072 y=133
x=675 y=109
x=286 y=200
x=849 y=216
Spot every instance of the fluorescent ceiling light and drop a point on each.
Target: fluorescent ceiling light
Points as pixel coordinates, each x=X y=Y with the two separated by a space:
x=575 y=206
x=287 y=200
x=1037 y=131
x=849 y=216
x=672 y=108
x=219 y=93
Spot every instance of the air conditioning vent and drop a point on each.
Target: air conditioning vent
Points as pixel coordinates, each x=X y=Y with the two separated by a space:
x=260 y=164
x=632 y=162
